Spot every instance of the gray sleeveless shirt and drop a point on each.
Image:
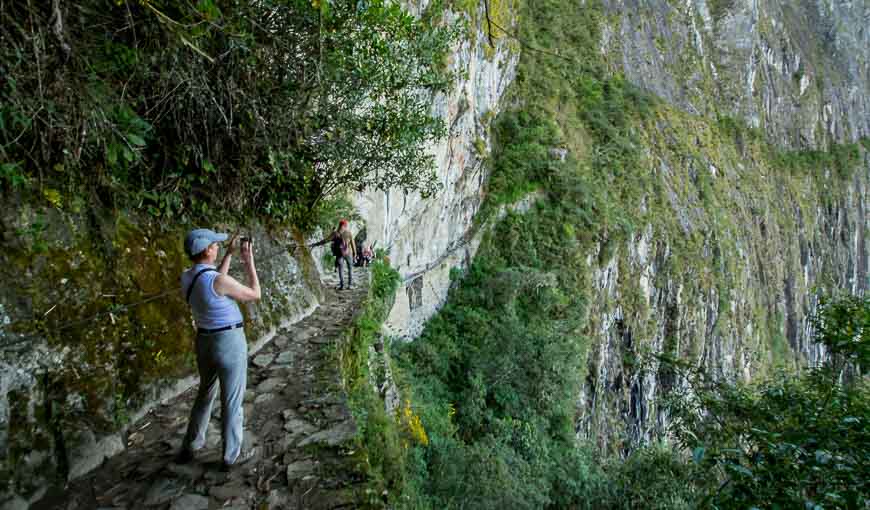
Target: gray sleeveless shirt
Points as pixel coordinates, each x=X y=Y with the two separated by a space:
x=210 y=310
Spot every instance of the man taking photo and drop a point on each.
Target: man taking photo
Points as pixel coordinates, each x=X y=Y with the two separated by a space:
x=221 y=347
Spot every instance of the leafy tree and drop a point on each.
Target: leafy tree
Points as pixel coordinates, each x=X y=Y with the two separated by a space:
x=843 y=326
x=266 y=106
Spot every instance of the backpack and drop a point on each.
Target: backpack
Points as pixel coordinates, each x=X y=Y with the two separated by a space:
x=339 y=246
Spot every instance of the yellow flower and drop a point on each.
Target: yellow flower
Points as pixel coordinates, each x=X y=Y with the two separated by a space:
x=53 y=197
x=413 y=425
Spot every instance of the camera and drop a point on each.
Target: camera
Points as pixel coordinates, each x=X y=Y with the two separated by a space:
x=245 y=239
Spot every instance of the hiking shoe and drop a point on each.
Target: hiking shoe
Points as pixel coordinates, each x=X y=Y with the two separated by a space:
x=243 y=457
x=183 y=456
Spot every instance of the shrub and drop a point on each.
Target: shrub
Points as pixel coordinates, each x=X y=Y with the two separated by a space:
x=795 y=441
x=182 y=107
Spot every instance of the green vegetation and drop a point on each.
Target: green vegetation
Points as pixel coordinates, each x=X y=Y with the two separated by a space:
x=791 y=441
x=496 y=375
x=842 y=159
x=784 y=442
x=719 y=8
x=192 y=110
x=380 y=456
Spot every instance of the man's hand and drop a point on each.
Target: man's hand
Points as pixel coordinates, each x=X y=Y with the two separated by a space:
x=247 y=249
x=231 y=246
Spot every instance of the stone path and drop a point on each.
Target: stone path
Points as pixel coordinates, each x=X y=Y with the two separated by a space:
x=297 y=426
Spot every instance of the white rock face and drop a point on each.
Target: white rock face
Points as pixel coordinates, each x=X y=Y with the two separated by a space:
x=426 y=238
x=799 y=70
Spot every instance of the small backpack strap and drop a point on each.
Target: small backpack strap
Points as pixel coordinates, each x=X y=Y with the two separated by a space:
x=195 y=278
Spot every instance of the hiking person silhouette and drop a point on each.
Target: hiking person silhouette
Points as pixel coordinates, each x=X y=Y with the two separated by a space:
x=367 y=256
x=221 y=347
x=344 y=249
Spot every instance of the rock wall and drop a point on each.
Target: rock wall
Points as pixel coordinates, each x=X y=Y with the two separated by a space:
x=725 y=276
x=426 y=238
x=800 y=70
x=76 y=364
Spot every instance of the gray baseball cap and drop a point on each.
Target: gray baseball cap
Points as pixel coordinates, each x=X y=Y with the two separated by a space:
x=200 y=238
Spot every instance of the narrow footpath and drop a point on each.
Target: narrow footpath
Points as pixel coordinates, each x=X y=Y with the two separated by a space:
x=297 y=426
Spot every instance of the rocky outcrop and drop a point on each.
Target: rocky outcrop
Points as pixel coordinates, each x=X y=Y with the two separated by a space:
x=798 y=70
x=426 y=237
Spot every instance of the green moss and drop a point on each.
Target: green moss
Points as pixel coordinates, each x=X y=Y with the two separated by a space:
x=310 y=274
x=116 y=353
x=780 y=353
x=501 y=16
x=480 y=146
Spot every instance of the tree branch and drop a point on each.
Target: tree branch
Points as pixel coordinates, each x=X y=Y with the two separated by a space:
x=57 y=27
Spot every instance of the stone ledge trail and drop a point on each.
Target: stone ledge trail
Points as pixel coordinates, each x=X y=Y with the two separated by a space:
x=297 y=425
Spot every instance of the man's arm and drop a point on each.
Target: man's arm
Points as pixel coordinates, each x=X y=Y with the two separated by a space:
x=327 y=239
x=226 y=285
x=224 y=267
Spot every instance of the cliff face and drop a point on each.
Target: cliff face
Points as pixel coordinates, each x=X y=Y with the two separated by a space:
x=731 y=283
x=725 y=276
x=740 y=218
x=798 y=70
x=427 y=237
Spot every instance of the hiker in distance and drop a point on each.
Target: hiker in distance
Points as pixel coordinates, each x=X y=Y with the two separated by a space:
x=343 y=249
x=221 y=347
